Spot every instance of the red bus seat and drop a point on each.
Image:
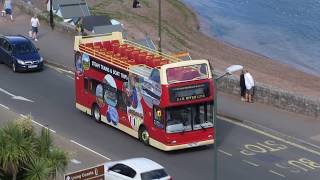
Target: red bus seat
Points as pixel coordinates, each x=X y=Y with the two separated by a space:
x=141 y=59
x=122 y=50
x=131 y=61
x=115 y=42
x=115 y=48
x=97 y=45
x=149 y=60
x=107 y=45
x=191 y=75
x=164 y=61
x=128 y=51
x=89 y=45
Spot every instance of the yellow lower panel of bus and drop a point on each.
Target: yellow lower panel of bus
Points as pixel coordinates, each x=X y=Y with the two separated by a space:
x=83 y=108
x=164 y=147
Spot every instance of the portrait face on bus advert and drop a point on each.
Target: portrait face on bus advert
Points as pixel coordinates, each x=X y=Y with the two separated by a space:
x=132 y=96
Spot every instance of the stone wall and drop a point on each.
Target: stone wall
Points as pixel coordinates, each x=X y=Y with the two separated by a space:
x=275 y=97
x=263 y=93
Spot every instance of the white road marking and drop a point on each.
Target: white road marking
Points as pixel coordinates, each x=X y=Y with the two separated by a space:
x=89 y=149
x=6 y=107
x=43 y=126
x=251 y=163
x=24 y=116
x=15 y=96
x=272 y=136
x=276 y=173
x=70 y=77
x=74 y=161
x=60 y=69
x=22 y=98
x=6 y=92
x=228 y=154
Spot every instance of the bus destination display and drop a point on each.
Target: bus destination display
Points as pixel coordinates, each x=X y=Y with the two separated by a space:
x=190 y=92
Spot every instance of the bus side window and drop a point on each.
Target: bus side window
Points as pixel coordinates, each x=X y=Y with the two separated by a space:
x=92 y=86
x=157 y=117
x=86 y=85
x=155 y=75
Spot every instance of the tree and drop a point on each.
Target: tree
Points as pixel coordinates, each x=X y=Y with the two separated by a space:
x=38 y=169
x=16 y=149
x=25 y=155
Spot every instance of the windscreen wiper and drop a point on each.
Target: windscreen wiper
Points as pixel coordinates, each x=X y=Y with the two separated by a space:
x=202 y=127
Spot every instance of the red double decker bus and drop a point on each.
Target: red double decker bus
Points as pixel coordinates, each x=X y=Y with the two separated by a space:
x=165 y=102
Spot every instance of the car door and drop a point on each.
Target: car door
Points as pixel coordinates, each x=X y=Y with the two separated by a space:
x=1 y=50
x=120 y=172
x=7 y=53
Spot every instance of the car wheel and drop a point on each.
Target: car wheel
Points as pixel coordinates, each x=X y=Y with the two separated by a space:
x=14 y=68
x=96 y=113
x=144 y=135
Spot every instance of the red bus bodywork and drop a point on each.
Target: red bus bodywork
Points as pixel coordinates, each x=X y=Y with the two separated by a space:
x=129 y=86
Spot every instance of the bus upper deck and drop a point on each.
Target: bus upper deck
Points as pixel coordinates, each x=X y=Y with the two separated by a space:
x=140 y=60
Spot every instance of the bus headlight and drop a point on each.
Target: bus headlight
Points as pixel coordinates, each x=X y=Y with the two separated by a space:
x=173 y=142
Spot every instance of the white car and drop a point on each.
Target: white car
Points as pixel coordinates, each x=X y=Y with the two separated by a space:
x=135 y=168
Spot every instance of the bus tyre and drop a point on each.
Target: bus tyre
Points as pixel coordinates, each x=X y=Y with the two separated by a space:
x=144 y=135
x=96 y=113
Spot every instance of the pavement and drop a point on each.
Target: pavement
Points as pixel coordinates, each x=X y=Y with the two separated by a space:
x=80 y=158
x=58 y=49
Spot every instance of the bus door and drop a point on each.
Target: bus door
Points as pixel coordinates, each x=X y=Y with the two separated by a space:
x=158 y=127
x=82 y=89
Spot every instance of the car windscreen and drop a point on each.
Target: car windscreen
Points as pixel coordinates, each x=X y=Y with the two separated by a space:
x=23 y=48
x=155 y=174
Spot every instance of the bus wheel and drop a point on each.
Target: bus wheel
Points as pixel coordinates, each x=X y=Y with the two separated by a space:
x=144 y=135
x=96 y=113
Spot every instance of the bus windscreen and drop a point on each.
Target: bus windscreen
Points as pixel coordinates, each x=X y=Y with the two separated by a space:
x=187 y=73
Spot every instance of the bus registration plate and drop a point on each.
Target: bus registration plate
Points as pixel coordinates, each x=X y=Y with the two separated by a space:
x=192 y=144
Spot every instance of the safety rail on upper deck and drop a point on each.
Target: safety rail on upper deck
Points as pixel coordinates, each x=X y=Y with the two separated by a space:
x=121 y=53
x=105 y=56
x=161 y=54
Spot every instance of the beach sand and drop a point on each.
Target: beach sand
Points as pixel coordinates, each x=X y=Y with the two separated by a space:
x=181 y=32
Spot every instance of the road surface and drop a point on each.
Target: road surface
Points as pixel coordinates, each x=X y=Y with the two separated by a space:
x=244 y=152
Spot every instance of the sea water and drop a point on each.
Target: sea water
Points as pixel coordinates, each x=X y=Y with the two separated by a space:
x=287 y=31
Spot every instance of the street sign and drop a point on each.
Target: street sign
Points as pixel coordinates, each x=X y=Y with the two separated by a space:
x=94 y=173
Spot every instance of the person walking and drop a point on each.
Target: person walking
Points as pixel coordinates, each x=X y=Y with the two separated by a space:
x=2 y=7
x=8 y=8
x=249 y=82
x=34 y=26
x=242 y=86
x=80 y=28
x=136 y=4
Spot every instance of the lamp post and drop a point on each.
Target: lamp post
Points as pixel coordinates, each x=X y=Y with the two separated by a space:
x=159 y=25
x=231 y=69
x=51 y=16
